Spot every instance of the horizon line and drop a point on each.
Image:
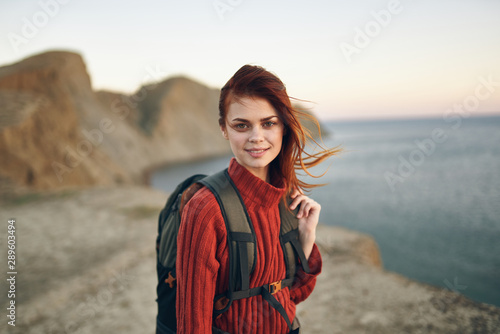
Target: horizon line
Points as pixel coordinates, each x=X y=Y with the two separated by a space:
x=395 y=118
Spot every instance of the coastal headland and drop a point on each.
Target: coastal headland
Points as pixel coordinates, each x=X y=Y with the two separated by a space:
x=72 y=178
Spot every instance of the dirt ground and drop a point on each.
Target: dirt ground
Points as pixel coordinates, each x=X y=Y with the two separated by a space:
x=85 y=263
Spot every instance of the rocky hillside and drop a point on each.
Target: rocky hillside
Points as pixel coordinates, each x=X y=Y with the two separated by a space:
x=41 y=141
x=57 y=132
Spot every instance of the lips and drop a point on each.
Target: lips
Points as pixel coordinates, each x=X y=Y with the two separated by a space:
x=257 y=152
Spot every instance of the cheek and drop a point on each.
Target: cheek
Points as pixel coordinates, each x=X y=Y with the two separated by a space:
x=236 y=138
x=278 y=135
x=277 y=140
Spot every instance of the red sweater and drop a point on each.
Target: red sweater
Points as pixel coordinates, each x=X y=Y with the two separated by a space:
x=203 y=262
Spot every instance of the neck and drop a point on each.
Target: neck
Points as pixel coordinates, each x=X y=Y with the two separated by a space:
x=251 y=186
x=261 y=173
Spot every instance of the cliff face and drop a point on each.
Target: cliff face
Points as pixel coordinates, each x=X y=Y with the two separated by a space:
x=181 y=117
x=56 y=132
x=40 y=139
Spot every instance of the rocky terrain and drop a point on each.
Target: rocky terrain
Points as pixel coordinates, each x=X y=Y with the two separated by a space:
x=87 y=265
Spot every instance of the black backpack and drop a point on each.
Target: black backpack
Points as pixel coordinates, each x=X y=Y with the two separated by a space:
x=242 y=250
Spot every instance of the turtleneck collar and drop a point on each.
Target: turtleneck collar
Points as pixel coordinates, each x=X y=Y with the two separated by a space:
x=255 y=189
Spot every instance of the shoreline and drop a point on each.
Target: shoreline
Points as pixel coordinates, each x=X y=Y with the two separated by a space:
x=146 y=173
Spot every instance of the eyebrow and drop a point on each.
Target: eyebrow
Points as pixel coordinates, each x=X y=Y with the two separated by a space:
x=262 y=119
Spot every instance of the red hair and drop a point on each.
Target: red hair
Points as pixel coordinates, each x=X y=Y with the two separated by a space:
x=257 y=82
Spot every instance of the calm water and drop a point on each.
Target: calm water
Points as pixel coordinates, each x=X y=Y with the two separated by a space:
x=433 y=207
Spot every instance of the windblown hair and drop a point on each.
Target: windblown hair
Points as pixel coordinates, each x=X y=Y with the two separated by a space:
x=257 y=82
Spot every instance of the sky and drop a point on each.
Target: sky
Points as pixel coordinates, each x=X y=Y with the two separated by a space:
x=352 y=60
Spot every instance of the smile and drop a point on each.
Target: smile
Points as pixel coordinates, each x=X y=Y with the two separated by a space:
x=257 y=152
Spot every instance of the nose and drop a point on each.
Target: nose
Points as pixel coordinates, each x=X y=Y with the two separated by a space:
x=256 y=135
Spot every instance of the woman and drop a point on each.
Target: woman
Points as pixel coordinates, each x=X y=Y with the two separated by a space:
x=267 y=140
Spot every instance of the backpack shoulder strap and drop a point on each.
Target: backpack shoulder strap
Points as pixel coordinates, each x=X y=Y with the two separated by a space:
x=240 y=232
x=289 y=236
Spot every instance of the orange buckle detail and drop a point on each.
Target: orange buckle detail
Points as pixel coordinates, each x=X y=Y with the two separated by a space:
x=275 y=287
x=170 y=280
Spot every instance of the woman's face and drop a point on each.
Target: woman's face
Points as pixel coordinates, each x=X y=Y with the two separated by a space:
x=255 y=134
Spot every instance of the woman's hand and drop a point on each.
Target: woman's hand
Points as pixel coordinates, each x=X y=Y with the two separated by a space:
x=308 y=220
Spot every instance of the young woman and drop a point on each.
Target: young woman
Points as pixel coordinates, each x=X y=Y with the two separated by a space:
x=267 y=140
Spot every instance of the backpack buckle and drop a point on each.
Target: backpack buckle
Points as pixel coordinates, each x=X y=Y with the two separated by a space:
x=275 y=287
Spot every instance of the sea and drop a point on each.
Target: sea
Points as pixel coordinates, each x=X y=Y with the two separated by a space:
x=427 y=190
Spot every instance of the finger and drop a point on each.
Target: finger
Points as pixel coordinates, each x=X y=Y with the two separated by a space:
x=311 y=208
x=296 y=201
x=305 y=206
x=307 y=209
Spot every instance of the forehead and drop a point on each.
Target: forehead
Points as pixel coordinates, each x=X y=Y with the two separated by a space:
x=250 y=109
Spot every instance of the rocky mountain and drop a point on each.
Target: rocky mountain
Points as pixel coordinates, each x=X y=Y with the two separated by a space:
x=57 y=132
x=41 y=141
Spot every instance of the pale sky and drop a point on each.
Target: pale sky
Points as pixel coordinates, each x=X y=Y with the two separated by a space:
x=357 y=59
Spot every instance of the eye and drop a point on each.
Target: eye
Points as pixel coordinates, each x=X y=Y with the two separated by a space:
x=269 y=124
x=241 y=126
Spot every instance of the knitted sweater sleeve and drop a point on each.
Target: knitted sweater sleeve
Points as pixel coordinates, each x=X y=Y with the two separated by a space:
x=197 y=263
x=304 y=283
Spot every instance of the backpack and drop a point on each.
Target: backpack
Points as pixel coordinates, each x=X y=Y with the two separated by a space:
x=241 y=246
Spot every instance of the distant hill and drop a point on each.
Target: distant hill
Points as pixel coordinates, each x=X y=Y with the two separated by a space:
x=57 y=132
